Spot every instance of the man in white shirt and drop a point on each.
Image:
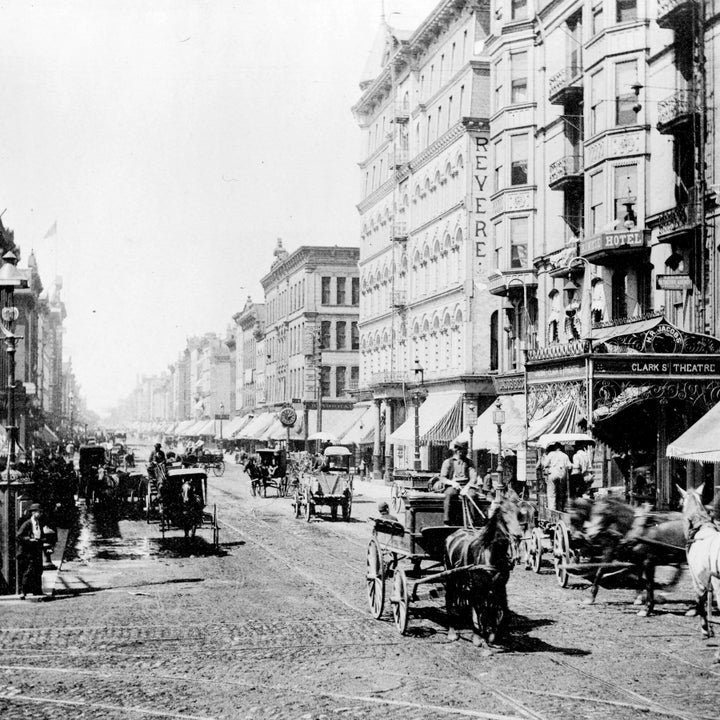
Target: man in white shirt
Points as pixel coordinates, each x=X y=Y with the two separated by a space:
x=581 y=472
x=557 y=466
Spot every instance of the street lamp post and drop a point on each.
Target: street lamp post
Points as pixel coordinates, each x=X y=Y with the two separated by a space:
x=12 y=486
x=418 y=396
x=499 y=420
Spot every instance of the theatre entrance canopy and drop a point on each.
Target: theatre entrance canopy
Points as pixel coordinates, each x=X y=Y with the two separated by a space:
x=638 y=384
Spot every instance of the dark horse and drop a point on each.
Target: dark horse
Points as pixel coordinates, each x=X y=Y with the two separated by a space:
x=616 y=531
x=482 y=589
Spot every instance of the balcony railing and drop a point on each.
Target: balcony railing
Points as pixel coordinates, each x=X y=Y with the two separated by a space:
x=566 y=171
x=399 y=299
x=673 y=13
x=675 y=111
x=501 y=282
x=399 y=231
x=402 y=112
x=678 y=222
x=565 y=84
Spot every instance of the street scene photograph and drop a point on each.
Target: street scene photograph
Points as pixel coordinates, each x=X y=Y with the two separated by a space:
x=360 y=360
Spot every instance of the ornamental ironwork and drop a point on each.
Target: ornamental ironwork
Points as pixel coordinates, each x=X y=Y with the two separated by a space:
x=563 y=79
x=566 y=167
x=678 y=219
x=678 y=105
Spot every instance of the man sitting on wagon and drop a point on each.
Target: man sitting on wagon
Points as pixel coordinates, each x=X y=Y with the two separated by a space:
x=457 y=477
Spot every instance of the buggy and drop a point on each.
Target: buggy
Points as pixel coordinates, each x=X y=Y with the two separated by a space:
x=331 y=485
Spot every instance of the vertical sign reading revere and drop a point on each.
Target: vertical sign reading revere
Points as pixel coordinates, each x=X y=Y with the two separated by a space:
x=480 y=200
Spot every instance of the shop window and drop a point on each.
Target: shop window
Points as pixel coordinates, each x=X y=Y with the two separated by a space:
x=519 y=159
x=325 y=292
x=518 y=77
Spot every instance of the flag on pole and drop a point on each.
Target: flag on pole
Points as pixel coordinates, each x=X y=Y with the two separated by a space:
x=52 y=230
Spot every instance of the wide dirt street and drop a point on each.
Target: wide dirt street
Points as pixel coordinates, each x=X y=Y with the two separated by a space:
x=277 y=626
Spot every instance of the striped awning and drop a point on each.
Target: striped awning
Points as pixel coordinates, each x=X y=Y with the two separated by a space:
x=255 y=429
x=701 y=441
x=434 y=413
x=485 y=434
x=563 y=419
x=447 y=427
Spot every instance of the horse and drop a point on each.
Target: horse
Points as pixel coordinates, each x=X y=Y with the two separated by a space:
x=618 y=531
x=703 y=554
x=482 y=589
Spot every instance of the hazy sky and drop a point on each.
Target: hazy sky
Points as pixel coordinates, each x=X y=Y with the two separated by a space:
x=173 y=142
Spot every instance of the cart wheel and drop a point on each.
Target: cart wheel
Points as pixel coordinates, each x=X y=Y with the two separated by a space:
x=308 y=506
x=400 y=601
x=347 y=508
x=561 y=554
x=219 y=469
x=253 y=488
x=534 y=559
x=395 y=499
x=375 y=579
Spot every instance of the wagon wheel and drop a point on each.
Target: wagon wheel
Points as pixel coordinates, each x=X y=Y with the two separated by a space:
x=400 y=601
x=395 y=499
x=219 y=469
x=308 y=506
x=534 y=558
x=561 y=554
x=375 y=579
x=347 y=508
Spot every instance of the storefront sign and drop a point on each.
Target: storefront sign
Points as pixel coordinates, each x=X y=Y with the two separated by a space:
x=685 y=367
x=674 y=282
x=609 y=242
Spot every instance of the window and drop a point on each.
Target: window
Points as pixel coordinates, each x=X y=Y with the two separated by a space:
x=339 y=381
x=597 y=19
x=575 y=40
x=340 y=335
x=325 y=335
x=354 y=336
x=325 y=297
x=625 y=98
x=354 y=375
x=325 y=381
x=626 y=10
x=449 y=112
x=597 y=201
x=355 y=291
x=518 y=9
x=340 y=298
x=596 y=93
x=497 y=175
x=518 y=242
x=498 y=84
x=518 y=159
x=498 y=252
x=625 y=189
x=518 y=77
x=494 y=364
x=619 y=295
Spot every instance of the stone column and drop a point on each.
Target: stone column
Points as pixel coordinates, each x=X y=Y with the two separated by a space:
x=389 y=460
x=377 y=458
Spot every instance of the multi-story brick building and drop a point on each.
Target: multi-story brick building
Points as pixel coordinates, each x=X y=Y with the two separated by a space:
x=249 y=329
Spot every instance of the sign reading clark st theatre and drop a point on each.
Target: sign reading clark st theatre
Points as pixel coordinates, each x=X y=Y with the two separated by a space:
x=639 y=384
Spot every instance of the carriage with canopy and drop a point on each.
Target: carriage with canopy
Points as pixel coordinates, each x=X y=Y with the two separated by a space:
x=331 y=485
x=270 y=471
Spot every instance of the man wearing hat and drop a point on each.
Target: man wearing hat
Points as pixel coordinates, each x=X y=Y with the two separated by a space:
x=455 y=474
x=30 y=552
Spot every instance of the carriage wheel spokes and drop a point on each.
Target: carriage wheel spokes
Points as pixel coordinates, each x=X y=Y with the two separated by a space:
x=375 y=578
x=400 y=601
x=561 y=554
x=395 y=499
x=534 y=559
x=219 y=469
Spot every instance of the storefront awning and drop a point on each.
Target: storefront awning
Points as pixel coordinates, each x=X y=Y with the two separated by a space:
x=48 y=435
x=362 y=431
x=485 y=431
x=232 y=426
x=183 y=426
x=255 y=429
x=435 y=419
x=701 y=441
x=563 y=419
x=205 y=429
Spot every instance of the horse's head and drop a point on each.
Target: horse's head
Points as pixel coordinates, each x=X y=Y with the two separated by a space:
x=506 y=515
x=694 y=513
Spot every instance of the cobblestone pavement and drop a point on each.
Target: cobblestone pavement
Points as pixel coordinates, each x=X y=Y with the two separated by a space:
x=276 y=626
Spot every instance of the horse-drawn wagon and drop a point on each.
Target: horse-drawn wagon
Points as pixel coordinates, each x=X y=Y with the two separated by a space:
x=331 y=485
x=177 y=496
x=270 y=471
x=405 y=481
x=417 y=550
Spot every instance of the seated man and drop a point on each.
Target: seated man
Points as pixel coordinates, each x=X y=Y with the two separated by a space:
x=457 y=476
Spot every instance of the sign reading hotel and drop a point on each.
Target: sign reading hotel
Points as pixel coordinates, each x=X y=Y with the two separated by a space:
x=684 y=367
x=613 y=241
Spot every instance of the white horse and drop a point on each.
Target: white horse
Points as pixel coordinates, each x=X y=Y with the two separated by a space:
x=703 y=553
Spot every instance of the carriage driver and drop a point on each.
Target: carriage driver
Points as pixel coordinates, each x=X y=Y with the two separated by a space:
x=457 y=477
x=157 y=456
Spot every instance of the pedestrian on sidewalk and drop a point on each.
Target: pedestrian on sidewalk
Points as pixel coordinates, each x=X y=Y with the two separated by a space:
x=30 y=538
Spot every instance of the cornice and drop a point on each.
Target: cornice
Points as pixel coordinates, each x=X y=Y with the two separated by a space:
x=375 y=255
x=442 y=143
x=373 y=156
x=376 y=194
x=317 y=254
